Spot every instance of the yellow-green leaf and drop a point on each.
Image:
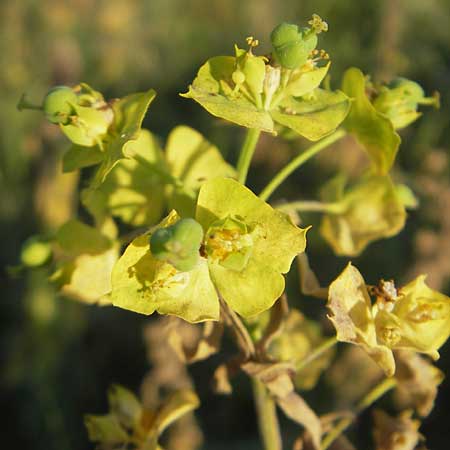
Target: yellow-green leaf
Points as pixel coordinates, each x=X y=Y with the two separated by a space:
x=78 y=157
x=77 y=238
x=313 y=117
x=212 y=88
x=303 y=82
x=193 y=160
x=133 y=190
x=270 y=238
x=419 y=319
x=105 y=429
x=249 y=291
x=88 y=126
x=369 y=210
x=175 y=406
x=87 y=278
x=351 y=315
x=372 y=129
x=129 y=113
x=124 y=405
x=144 y=284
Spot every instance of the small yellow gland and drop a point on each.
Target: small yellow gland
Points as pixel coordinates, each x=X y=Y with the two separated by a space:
x=221 y=243
x=229 y=243
x=426 y=312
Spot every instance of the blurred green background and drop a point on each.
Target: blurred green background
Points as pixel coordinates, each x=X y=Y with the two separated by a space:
x=58 y=356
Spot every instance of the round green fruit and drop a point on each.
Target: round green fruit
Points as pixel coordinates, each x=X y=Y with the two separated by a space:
x=58 y=103
x=35 y=252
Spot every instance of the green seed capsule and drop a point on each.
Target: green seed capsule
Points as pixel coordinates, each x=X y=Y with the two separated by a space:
x=178 y=244
x=283 y=34
x=57 y=104
x=292 y=46
x=35 y=252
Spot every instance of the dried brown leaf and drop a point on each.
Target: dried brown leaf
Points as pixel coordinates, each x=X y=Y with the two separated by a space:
x=395 y=433
x=309 y=283
x=418 y=381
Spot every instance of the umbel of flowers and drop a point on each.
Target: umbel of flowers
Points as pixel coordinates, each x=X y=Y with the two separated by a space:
x=206 y=247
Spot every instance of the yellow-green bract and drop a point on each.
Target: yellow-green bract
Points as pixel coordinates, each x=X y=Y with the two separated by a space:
x=416 y=317
x=372 y=129
x=369 y=210
x=128 y=420
x=248 y=246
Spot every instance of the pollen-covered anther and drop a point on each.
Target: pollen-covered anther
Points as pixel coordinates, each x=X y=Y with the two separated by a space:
x=390 y=336
x=386 y=295
x=252 y=43
x=318 y=24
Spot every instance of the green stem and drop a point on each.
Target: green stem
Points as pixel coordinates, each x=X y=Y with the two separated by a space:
x=298 y=161
x=269 y=428
x=378 y=391
x=25 y=104
x=311 y=205
x=246 y=155
x=322 y=348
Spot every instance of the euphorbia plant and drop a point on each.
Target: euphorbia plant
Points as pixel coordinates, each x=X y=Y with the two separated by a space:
x=205 y=248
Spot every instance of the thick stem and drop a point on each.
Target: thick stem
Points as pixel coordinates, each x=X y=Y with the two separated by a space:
x=298 y=161
x=269 y=428
x=246 y=155
x=378 y=391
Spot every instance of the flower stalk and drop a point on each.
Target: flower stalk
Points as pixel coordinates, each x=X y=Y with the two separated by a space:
x=298 y=161
x=246 y=154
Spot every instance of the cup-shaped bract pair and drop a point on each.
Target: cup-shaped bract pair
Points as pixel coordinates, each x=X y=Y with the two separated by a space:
x=371 y=209
x=377 y=112
x=254 y=92
x=81 y=112
x=415 y=317
x=129 y=422
x=400 y=99
x=246 y=248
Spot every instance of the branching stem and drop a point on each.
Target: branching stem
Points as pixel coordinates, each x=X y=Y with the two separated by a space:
x=319 y=351
x=312 y=206
x=266 y=411
x=378 y=391
x=298 y=161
